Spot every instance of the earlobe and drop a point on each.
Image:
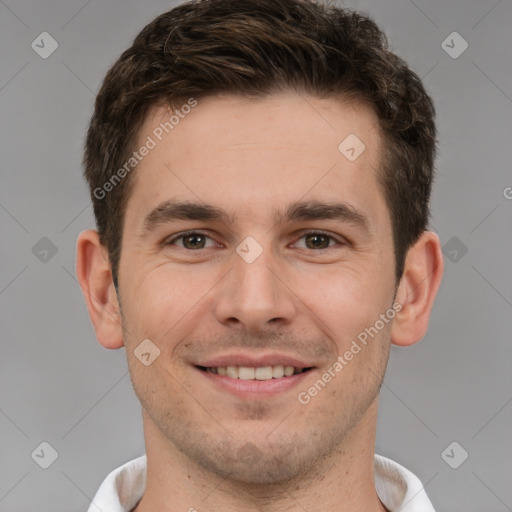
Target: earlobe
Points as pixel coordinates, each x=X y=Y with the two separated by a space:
x=95 y=277
x=417 y=290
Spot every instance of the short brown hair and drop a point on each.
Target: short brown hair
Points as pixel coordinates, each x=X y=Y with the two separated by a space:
x=254 y=48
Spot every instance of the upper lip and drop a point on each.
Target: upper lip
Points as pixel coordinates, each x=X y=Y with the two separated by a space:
x=257 y=360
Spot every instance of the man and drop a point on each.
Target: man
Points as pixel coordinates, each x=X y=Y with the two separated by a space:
x=260 y=173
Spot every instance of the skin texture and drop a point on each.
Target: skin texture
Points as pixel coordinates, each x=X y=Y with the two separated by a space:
x=206 y=447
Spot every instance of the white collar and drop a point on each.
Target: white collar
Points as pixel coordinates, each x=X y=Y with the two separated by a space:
x=397 y=488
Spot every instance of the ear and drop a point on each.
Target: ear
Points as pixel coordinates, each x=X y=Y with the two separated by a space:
x=417 y=289
x=95 y=277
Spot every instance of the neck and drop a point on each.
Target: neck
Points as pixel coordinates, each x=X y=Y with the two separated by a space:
x=342 y=481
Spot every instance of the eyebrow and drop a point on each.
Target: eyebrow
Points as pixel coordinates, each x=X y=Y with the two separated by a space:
x=171 y=210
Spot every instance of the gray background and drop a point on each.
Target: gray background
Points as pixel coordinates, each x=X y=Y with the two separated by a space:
x=58 y=385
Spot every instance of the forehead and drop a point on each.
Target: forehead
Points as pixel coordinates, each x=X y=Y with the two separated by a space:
x=242 y=154
x=286 y=117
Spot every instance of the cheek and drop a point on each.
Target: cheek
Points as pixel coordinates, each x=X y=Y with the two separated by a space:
x=346 y=301
x=165 y=303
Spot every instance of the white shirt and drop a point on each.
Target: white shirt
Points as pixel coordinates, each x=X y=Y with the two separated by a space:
x=398 y=489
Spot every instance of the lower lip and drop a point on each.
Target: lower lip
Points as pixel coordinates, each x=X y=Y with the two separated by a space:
x=253 y=389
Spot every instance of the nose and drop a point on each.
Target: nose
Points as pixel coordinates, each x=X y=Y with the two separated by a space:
x=255 y=295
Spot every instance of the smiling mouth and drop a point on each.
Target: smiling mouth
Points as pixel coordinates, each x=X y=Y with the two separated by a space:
x=254 y=373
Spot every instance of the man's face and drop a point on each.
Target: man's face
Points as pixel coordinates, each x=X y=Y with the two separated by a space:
x=300 y=265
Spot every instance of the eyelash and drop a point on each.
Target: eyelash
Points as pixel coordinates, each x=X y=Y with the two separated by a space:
x=302 y=235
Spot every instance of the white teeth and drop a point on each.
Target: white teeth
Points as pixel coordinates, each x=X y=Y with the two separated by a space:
x=232 y=371
x=263 y=373
x=246 y=373
x=250 y=373
x=278 y=371
x=288 y=370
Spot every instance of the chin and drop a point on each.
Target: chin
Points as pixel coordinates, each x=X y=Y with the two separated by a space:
x=260 y=464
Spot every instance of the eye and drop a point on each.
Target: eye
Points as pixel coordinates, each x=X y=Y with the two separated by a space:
x=192 y=240
x=319 y=240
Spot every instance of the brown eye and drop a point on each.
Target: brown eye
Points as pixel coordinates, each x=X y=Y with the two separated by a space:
x=317 y=241
x=192 y=241
x=195 y=241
